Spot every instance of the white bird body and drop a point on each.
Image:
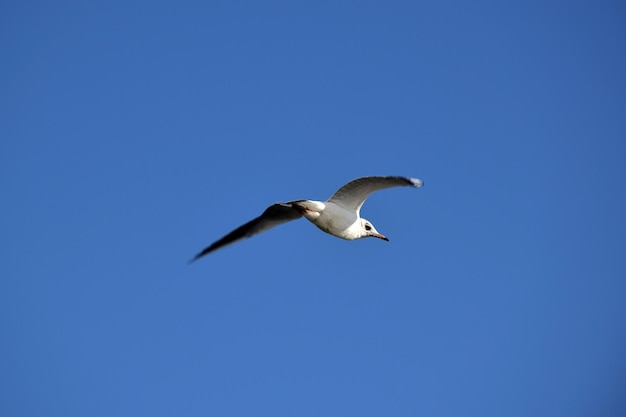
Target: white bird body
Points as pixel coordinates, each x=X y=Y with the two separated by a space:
x=338 y=216
x=331 y=218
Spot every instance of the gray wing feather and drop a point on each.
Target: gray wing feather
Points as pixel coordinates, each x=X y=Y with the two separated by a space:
x=352 y=195
x=274 y=215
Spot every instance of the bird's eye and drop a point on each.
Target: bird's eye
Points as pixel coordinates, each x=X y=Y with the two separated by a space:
x=368 y=227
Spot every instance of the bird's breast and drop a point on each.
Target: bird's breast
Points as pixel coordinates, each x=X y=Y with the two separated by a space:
x=336 y=221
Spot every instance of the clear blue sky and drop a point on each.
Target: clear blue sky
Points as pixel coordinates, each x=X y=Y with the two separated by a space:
x=134 y=133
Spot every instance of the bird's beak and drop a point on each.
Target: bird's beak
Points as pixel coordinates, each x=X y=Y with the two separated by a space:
x=383 y=237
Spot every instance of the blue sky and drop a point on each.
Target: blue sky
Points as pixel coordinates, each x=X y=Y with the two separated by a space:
x=135 y=133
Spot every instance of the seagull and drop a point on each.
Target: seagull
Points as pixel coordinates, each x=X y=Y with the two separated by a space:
x=338 y=216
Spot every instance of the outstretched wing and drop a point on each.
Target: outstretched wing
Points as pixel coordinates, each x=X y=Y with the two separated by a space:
x=273 y=216
x=352 y=195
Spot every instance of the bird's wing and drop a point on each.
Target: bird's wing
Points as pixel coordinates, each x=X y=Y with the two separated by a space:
x=352 y=195
x=273 y=216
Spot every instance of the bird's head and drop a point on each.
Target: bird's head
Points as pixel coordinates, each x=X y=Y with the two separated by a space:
x=368 y=230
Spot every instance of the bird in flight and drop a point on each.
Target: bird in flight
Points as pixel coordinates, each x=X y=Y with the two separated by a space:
x=338 y=216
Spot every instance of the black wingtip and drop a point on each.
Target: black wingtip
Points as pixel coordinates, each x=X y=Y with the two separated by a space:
x=198 y=256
